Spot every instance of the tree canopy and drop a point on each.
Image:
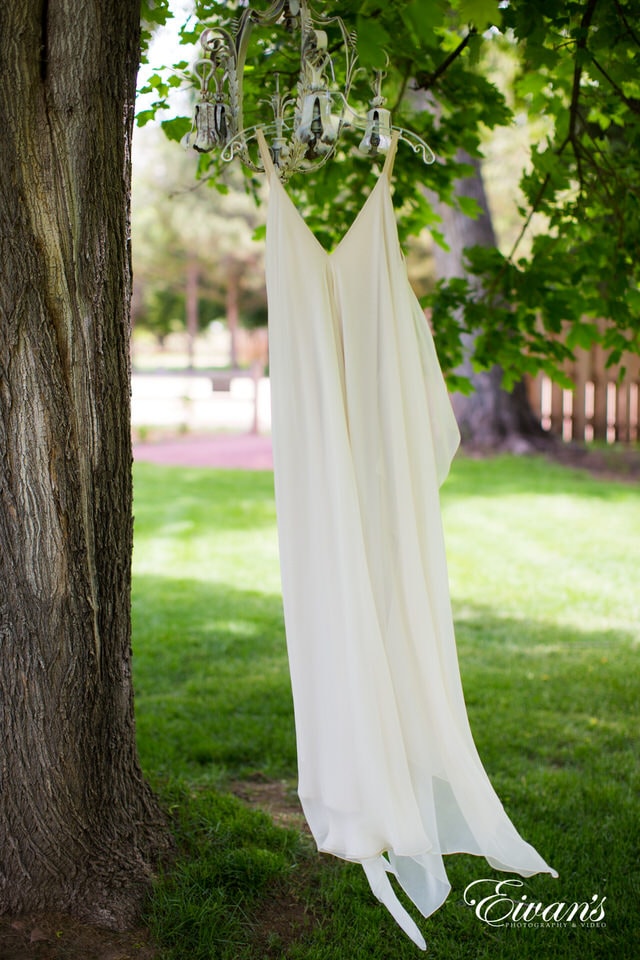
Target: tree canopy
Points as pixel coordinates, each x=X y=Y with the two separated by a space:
x=574 y=72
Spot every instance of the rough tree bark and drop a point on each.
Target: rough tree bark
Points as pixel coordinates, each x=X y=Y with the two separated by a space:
x=489 y=417
x=79 y=829
x=232 y=310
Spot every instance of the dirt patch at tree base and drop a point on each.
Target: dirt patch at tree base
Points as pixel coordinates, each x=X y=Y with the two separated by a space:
x=285 y=918
x=278 y=798
x=63 y=938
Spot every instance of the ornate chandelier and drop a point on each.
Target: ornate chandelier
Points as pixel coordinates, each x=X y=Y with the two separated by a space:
x=305 y=124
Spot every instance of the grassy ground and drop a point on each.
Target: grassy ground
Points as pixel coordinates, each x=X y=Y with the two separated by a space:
x=542 y=563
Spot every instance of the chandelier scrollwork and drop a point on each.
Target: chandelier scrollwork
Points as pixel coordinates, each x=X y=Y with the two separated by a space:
x=306 y=124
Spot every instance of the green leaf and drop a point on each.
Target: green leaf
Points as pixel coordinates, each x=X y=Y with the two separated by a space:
x=153 y=14
x=631 y=89
x=372 y=40
x=582 y=335
x=531 y=82
x=481 y=13
x=155 y=11
x=425 y=17
x=633 y=299
x=470 y=207
x=438 y=237
x=145 y=117
x=177 y=128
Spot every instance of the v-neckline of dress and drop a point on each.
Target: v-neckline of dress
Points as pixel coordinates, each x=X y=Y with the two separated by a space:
x=331 y=253
x=272 y=175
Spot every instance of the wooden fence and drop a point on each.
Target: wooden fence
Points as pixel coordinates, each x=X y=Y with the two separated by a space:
x=600 y=407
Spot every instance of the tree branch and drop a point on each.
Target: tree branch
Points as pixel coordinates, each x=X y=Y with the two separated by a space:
x=403 y=88
x=585 y=23
x=427 y=80
x=623 y=17
x=533 y=209
x=633 y=105
x=571 y=137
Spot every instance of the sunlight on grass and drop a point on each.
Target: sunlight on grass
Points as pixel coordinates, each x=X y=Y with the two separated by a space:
x=542 y=565
x=549 y=544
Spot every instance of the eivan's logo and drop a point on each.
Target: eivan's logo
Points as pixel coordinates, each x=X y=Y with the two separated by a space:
x=498 y=909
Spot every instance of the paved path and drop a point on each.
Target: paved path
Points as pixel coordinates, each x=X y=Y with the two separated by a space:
x=236 y=451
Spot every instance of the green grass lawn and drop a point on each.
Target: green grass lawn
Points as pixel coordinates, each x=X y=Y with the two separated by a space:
x=543 y=567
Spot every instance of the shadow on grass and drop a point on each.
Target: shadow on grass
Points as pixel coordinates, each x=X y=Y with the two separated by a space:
x=213 y=694
x=535 y=474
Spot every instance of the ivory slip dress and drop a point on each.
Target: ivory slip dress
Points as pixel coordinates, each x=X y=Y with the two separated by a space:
x=363 y=436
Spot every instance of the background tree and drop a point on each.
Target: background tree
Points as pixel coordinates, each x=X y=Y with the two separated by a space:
x=79 y=829
x=489 y=416
x=579 y=70
x=193 y=249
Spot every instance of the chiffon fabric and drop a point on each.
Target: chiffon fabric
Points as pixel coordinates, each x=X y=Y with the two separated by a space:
x=363 y=437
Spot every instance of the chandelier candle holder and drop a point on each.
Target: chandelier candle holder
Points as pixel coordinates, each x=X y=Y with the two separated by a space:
x=304 y=126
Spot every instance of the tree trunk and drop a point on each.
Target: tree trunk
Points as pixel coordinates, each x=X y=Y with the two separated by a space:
x=191 y=306
x=233 y=316
x=79 y=829
x=490 y=417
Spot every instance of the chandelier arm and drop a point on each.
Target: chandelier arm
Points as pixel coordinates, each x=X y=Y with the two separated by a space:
x=236 y=76
x=417 y=144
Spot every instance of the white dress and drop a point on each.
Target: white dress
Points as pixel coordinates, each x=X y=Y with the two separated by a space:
x=363 y=436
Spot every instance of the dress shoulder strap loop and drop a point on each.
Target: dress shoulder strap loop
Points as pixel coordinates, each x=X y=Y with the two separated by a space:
x=387 y=170
x=265 y=153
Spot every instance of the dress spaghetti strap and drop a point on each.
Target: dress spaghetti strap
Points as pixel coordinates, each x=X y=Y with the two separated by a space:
x=265 y=153
x=387 y=170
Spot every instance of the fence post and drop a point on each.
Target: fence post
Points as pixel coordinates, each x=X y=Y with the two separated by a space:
x=622 y=413
x=634 y=411
x=599 y=408
x=580 y=379
x=557 y=409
